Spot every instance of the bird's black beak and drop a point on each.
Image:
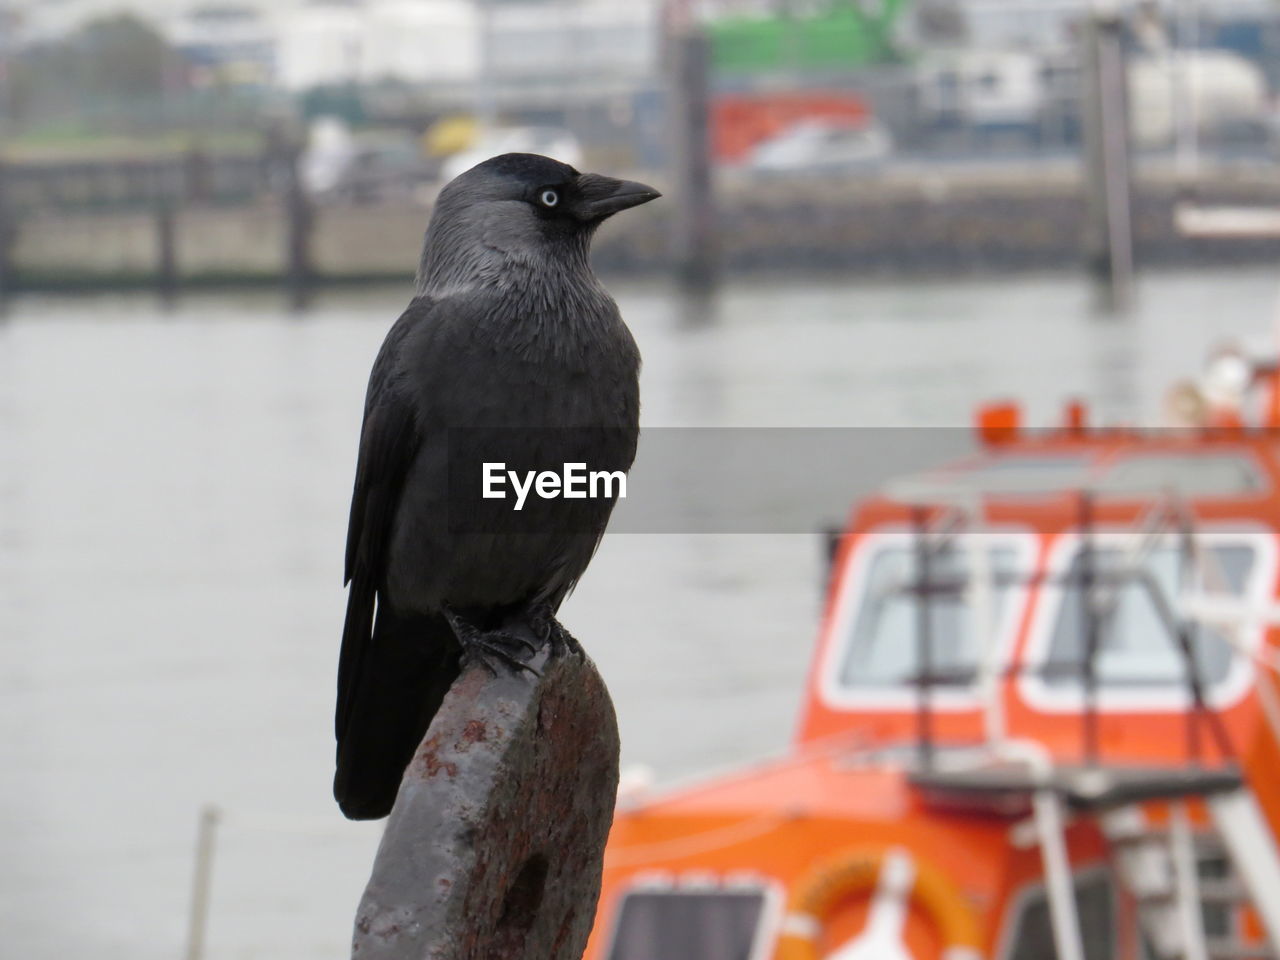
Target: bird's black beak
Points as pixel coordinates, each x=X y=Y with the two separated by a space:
x=604 y=196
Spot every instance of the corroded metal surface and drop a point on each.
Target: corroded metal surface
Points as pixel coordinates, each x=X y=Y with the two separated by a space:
x=495 y=845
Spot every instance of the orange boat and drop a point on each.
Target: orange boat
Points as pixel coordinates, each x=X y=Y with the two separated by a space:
x=1041 y=720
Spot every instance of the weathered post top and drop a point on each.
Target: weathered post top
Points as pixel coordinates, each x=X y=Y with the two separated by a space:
x=495 y=845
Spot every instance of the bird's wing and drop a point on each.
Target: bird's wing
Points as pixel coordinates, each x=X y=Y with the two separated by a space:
x=388 y=444
x=388 y=441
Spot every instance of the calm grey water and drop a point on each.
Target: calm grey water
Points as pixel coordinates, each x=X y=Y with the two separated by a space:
x=173 y=494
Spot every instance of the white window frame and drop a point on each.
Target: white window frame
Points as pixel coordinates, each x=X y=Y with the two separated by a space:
x=1112 y=697
x=838 y=636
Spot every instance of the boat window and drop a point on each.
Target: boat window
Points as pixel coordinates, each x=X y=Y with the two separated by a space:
x=1033 y=932
x=1198 y=475
x=882 y=651
x=688 y=925
x=1135 y=647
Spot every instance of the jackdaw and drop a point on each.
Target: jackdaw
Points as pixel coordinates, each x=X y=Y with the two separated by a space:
x=510 y=351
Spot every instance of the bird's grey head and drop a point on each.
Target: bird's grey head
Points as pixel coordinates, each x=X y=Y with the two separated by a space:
x=518 y=210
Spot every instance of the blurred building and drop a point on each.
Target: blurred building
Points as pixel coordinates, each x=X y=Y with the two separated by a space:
x=229 y=44
x=334 y=42
x=569 y=38
x=1250 y=28
x=460 y=43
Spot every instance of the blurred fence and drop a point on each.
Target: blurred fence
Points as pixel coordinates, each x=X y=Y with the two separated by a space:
x=141 y=183
x=156 y=221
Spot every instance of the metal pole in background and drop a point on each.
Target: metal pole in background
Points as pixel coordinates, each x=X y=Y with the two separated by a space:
x=298 y=212
x=166 y=251
x=8 y=235
x=201 y=884
x=8 y=110
x=169 y=192
x=1109 y=236
x=486 y=98
x=689 y=111
x=1187 y=109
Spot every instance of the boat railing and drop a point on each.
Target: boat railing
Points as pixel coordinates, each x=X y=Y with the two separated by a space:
x=1022 y=775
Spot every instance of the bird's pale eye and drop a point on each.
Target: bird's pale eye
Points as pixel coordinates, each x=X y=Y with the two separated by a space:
x=549 y=198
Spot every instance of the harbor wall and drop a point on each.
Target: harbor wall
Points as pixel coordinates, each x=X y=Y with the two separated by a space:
x=905 y=225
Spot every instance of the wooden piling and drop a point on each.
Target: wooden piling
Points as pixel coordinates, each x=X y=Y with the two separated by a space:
x=197 y=186
x=166 y=252
x=1109 y=229
x=298 y=269
x=8 y=235
x=495 y=847
x=693 y=212
x=283 y=173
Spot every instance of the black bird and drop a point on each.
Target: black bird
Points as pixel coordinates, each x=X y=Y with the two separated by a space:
x=510 y=351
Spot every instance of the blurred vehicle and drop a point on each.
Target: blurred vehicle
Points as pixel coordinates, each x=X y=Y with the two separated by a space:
x=818 y=145
x=371 y=168
x=1229 y=94
x=1271 y=122
x=740 y=122
x=1030 y=95
x=988 y=91
x=554 y=142
x=329 y=151
x=450 y=135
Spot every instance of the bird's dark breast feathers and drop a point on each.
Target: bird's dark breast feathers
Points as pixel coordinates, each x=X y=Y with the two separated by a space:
x=492 y=386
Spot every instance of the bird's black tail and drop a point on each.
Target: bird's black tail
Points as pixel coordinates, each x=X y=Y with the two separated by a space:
x=391 y=681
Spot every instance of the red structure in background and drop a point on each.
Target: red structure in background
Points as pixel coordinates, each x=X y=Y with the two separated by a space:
x=739 y=122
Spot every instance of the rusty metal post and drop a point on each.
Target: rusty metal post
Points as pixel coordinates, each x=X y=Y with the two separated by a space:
x=495 y=846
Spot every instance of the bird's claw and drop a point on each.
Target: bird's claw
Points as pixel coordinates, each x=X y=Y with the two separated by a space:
x=509 y=647
x=495 y=657
x=564 y=643
x=497 y=650
x=551 y=631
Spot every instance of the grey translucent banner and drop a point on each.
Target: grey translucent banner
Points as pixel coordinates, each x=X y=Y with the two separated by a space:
x=685 y=480
x=781 y=480
x=797 y=480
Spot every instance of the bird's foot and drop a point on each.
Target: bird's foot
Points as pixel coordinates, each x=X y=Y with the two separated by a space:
x=566 y=644
x=499 y=650
x=550 y=630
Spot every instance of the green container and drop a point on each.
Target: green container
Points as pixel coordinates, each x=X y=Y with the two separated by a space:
x=842 y=36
